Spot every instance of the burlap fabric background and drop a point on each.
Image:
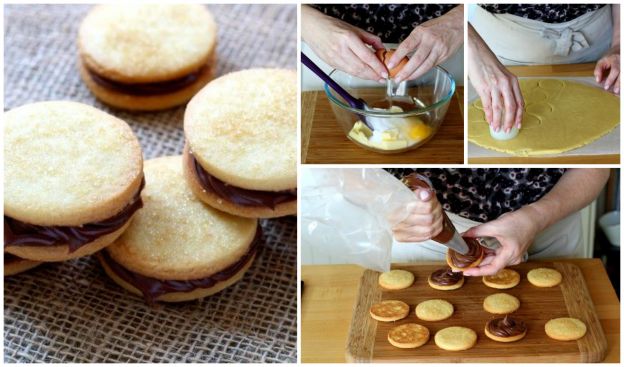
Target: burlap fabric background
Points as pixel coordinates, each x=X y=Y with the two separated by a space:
x=72 y=312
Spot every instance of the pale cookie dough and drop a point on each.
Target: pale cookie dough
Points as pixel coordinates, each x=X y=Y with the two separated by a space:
x=396 y=279
x=565 y=328
x=408 y=336
x=501 y=303
x=455 y=338
x=389 y=310
x=544 y=277
x=560 y=115
x=504 y=279
x=434 y=310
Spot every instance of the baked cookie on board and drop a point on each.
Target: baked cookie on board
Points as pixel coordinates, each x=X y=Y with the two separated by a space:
x=505 y=329
x=504 y=279
x=147 y=56
x=241 y=135
x=565 y=328
x=72 y=180
x=389 y=310
x=501 y=303
x=434 y=310
x=446 y=279
x=455 y=338
x=544 y=277
x=177 y=248
x=396 y=279
x=408 y=336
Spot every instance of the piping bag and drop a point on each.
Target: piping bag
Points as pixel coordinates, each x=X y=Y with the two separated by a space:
x=347 y=216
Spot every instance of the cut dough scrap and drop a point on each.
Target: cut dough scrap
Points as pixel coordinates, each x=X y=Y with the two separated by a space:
x=559 y=116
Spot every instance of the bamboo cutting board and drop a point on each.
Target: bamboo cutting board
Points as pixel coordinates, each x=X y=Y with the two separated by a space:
x=367 y=339
x=324 y=141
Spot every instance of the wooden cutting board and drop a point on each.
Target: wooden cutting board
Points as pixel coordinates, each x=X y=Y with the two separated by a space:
x=367 y=339
x=324 y=141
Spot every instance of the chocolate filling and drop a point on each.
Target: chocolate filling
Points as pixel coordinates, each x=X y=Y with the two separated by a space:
x=446 y=277
x=475 y=251
x=153 y=288
x=506 y=327
x=240 y=196
x=147 y=89
x=18 y=233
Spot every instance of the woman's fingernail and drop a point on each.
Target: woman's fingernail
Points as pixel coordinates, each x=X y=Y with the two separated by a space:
x=519 y=126
x=424 y=194
x=390 y=65
x=384 y=74
x=507 y=130
x=616 y=90
x=382 y=81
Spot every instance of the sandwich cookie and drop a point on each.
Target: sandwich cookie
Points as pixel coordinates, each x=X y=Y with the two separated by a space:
x=408 y=336
x=565 y=329
x=504 y=279
x=147 y=56
x=177 y=248
x=73 y=177
x=446 y=279
x=241 y=152
x=459 y=262
x=389 y=310
x=544 y=277
x=396 y=279
x=505 y=329
x=15 y=265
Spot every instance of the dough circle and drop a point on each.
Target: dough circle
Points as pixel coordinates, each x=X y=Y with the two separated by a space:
x=560 y=115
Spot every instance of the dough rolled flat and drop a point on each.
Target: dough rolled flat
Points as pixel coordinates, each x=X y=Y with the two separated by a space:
x=560 y=115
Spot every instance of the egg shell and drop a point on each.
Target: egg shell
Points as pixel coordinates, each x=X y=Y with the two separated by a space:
x=385 y=55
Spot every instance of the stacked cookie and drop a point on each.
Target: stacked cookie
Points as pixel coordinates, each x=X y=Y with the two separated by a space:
x=182 y=227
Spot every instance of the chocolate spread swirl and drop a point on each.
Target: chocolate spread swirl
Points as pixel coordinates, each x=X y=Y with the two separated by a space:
x=240 y=196
x=153 y=288
x=18 y=233
x=446 y=277
x=146 y=89
x=475 y=251
x=505 y=327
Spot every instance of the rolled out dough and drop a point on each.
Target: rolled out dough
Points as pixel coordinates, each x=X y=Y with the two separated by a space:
x=559 y=115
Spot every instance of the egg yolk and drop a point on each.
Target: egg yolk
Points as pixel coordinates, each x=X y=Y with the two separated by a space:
x=419 y=131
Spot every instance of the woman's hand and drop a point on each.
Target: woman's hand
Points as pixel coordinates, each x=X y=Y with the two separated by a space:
x=515 y=231
x=607 y=71
x=425 y=219
x=342 y=45
x=433 y=42
x=498 y=87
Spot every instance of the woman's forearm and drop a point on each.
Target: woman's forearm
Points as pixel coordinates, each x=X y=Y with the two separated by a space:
x=575 y=190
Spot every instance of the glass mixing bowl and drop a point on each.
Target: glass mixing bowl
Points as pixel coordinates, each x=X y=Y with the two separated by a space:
x=419 y=109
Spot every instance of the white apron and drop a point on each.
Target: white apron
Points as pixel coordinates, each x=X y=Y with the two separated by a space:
x=519 y=41
x=560 y=240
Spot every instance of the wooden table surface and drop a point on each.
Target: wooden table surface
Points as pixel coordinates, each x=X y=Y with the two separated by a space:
x=324 y=141
x=330 y=292
x=568 y=70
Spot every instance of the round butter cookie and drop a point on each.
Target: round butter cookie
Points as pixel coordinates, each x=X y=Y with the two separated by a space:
x=505 y=329
x=504 y=279
x=147 y=56
x=565 y=328
x=15 y=265
x=458 y=262
x=544 y=277
x=241 y=133
x=396 y=279
x=455 y=338
x=177 y=248
x=408 y=336
x=434 y=310
x=72 y=180
x=446 y=279
x=501 y=303
x=389 y=310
